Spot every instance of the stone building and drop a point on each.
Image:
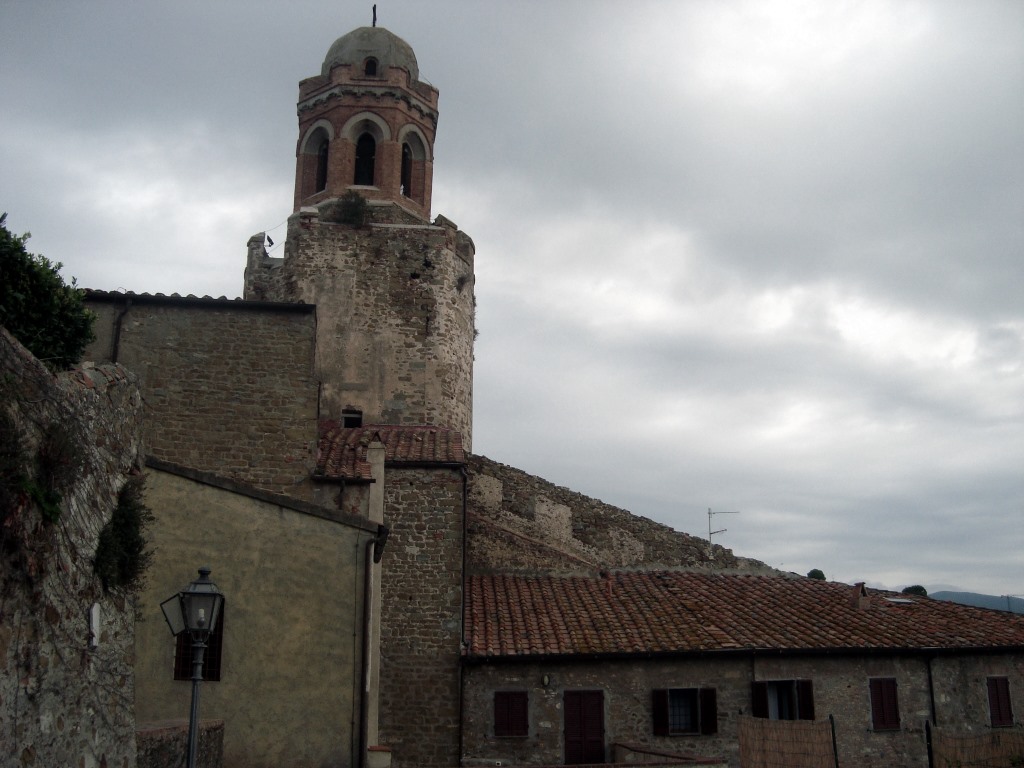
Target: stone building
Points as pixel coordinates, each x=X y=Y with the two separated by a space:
x=320 y=428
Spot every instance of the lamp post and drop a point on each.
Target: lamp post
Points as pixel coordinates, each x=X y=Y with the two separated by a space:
x=195 y=609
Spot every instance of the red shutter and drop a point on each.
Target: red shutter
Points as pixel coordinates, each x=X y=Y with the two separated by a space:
x=999 y=702
x=708 y=711
x=660 y=706
x=885 y=712
x=759 y=699
x=804 y=700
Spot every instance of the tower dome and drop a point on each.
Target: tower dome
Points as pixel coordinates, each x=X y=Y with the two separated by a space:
x=371 y=43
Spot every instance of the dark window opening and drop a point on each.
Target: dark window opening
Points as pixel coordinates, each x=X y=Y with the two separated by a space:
x=406 y=170
x=366 y=149
x=370 y=67
x=511 y=713
x=783 y=699
x=211 y=656
x=999 y=702
x=885 y=710
x=321 y=166
x=351 y=418
x=683 y=711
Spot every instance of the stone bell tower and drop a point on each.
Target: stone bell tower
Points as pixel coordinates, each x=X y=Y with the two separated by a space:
x=394 y=291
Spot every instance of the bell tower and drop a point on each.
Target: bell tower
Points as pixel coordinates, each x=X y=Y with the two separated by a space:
x=367 y=123
x=393 y=290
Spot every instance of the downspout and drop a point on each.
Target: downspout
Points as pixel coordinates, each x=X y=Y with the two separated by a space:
x=373 y=554
x=931 y=688
x=462 y=628
x=115 y=345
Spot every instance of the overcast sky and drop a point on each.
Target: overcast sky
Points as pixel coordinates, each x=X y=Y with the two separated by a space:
x=762 y=257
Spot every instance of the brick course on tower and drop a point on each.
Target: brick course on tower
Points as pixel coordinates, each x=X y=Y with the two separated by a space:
x=394 y=293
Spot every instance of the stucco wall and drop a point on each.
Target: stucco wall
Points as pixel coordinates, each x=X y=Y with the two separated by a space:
x=64 y=700
x=421 y=620
x=840 y=688
x=291 y=661
x=229 y=385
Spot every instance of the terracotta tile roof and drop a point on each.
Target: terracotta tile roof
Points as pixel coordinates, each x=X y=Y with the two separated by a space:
x=679 y=612
x=342 y=450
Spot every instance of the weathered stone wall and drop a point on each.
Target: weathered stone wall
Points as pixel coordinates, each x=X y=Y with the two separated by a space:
x=520 y=522
x=421 y=622
x=66 y=694
x=292 y=575
x=228 y=385
x=163 y=745
x=840 y=685
x=395 y=315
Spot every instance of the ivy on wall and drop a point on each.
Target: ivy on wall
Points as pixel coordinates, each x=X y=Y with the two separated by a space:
x=121 y=554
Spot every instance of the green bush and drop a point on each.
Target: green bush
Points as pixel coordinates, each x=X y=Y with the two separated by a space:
x=38 y=307
x=121 y=554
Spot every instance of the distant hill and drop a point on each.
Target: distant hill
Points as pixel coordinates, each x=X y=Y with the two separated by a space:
x=998 y=602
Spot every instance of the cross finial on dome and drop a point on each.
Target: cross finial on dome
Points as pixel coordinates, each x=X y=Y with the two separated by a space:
x=375 y=14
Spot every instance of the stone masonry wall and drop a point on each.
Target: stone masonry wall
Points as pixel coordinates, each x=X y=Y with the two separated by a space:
x=520 y=522
x=840 y=686
x=66 y=694
x=395 y=315
x=421 y=620
x=228 y=385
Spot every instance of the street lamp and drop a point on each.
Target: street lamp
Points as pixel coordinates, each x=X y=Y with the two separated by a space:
x=195 y=609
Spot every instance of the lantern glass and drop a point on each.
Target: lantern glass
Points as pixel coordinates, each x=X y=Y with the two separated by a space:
x=173 y=613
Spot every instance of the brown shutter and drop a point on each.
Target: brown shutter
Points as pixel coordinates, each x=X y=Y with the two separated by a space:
x=584 y=726
x=999 y=702
x=511 y=713
x=708 y=711
x=885 y=712
x=660 y=708
x=805 y=699
x=759 y=699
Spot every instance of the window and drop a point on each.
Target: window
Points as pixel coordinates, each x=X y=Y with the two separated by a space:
x=351 y=418
x=783 y=699
x=885 y=710
x=211 y=657
x=366 y=149
x=511 y=713
x=682 y=711
x=406 y=170
x=321 y=166
x=370 y=67
x=999 y=702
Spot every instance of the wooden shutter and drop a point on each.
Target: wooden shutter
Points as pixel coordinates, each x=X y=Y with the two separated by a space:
x=660 y=708
x=759 y=699
x=999 y=702
x=511 y=713
x=804 y=700
x=708 y=711
x=584 y=726
x=885 y=712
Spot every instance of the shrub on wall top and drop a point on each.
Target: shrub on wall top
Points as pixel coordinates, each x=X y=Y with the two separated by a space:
x=42 y=312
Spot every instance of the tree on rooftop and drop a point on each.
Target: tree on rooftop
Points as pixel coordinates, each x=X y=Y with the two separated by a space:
x=816 y=573
x=915 y=589
x=41 y=311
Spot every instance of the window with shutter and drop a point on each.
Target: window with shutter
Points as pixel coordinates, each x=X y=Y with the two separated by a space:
x=885 y=711
x=211 y=656
x=511 y=713
x=783 y=699
x=999 y=702
x=685 y=711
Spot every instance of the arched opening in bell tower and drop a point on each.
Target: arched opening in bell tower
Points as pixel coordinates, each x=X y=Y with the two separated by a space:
x=314 y=160
x=414 y=164
x=366 y=151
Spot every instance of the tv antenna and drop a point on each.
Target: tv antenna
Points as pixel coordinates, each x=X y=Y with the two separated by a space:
x=712 y=513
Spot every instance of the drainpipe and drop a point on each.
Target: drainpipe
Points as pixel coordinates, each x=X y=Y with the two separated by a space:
x=462 y=627
x=368 y=699
x=931 y=688
x=115 y=344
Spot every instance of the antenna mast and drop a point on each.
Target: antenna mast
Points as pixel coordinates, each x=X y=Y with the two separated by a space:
x=711 y=551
